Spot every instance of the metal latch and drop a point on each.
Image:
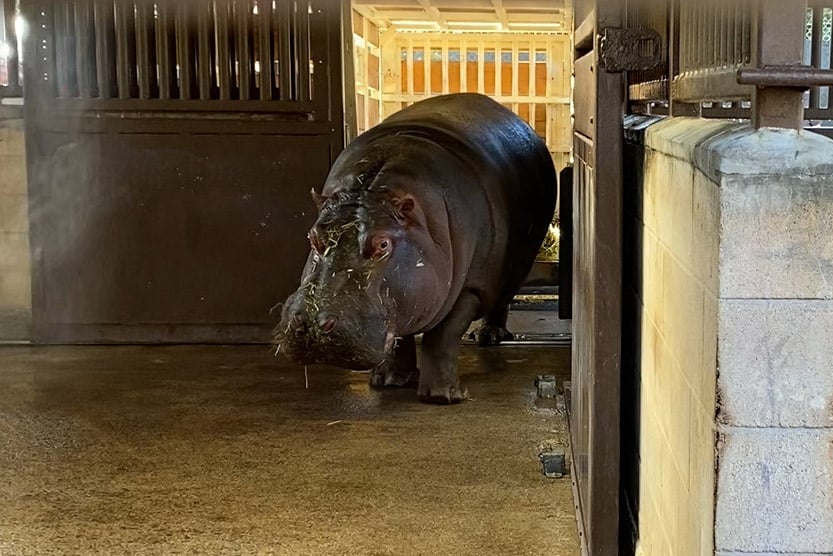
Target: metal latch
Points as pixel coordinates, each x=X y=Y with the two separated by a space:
x=636 y=49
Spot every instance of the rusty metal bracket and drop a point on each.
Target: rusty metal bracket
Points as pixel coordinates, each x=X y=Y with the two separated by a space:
x=635 y=49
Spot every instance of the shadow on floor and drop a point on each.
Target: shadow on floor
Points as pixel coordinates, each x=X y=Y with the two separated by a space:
x=225 y=450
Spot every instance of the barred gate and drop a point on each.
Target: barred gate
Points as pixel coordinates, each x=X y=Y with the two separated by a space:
x=172 y=146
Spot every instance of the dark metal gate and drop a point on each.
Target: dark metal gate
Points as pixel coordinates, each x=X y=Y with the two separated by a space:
x=597 y=264
x=171 y=149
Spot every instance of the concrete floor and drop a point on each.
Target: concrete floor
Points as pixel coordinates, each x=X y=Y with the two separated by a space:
x=225 y=450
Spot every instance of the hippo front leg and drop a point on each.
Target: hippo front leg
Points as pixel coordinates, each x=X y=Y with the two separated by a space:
x=438 y=380
x=400 y=368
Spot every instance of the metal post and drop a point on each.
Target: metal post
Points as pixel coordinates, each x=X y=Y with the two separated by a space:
x=778 y=41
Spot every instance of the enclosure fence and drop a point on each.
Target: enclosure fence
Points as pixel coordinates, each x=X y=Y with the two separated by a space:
x=768 y=60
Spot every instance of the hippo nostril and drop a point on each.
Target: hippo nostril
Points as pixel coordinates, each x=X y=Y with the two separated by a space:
x=327 y=323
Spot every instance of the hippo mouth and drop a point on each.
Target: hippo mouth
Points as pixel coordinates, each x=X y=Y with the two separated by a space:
x=354 y=351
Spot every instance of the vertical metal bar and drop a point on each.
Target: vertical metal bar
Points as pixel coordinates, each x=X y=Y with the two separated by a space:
x=126 y=50
x=746 y=35
x=105 y=49
x=185 y=51
x=263 y=22
x=204 y=55
x=816 y=52
x=302 y=45
x=778 y=37
x=222 y=16
x=145 y=53
x=65 y=50
x=283 y=50
x=85 y=48
x=166 y=50
x=243 y=43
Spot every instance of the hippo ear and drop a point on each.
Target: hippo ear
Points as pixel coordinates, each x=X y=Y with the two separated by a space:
x=317 y=198
x=407 y=206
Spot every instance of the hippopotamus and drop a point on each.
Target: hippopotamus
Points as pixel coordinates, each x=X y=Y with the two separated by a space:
x=427 y=222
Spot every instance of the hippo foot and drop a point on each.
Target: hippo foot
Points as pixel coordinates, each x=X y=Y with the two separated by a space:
x=489 y=335
x=442 y=395
x=391 y=375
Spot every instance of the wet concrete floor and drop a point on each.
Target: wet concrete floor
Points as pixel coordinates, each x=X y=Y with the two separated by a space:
x=228 y=450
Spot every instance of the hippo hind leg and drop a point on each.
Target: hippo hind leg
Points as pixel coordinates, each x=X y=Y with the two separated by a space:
x=494 y=329
x=400 y=369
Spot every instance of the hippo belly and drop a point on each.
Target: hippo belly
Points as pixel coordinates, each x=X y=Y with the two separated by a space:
x=426 y=222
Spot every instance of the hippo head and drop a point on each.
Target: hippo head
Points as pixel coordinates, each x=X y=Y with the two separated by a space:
x=369 y=278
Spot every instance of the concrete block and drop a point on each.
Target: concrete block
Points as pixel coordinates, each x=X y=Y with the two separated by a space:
x=15 y=291
x=707 y=383
x=12 y=174
x=14 y=215
x=14 y=252
x=678 y=137
x=705 y=232
x=740 y=150
x=775 y=240
x=12 y=137
x=776 y=363
x=775 y=491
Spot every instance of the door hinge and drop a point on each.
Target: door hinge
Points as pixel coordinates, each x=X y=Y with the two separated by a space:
x=629 y=49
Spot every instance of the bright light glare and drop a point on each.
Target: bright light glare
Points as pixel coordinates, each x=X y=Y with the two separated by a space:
x=19 y=27
x=5 y=50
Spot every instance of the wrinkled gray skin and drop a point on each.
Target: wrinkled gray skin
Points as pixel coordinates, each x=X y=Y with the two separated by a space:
x=427 y=222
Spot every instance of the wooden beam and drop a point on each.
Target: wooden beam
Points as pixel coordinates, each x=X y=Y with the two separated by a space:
x=500 y=11
x=434 y=13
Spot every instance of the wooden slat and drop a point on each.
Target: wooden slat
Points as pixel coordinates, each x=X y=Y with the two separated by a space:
x=498 y=70
x=222 y=17
x=303 y=49
x=244 y=50
x=85 y=49
x=533 y=66
x=409 y=62
x=263 y=22
x=481 y=68
x=464 y=65
x=515 y=73
x=205 y=64
x=426 y=66
x=444 y=54
x=105 y=50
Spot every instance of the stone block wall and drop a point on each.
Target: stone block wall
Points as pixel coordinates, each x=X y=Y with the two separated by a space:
x=15 y=273
x=736 y=340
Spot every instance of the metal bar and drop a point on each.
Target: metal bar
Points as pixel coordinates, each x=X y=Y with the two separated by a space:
x=65 y=50
x=243 y=54
x=166 y=50
x=85 y=49
x=205 y=63
x=185 y=51
x=800 y=77
x=105 y=49
x=126 y=49
x=222 y=16
x=302 y=45
x=145 y=55
x=283 y=50
x=816 y=51
x=779 y=41
x=263 y=21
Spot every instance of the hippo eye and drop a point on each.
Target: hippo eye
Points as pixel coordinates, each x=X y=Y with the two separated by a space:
x=381 y=247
